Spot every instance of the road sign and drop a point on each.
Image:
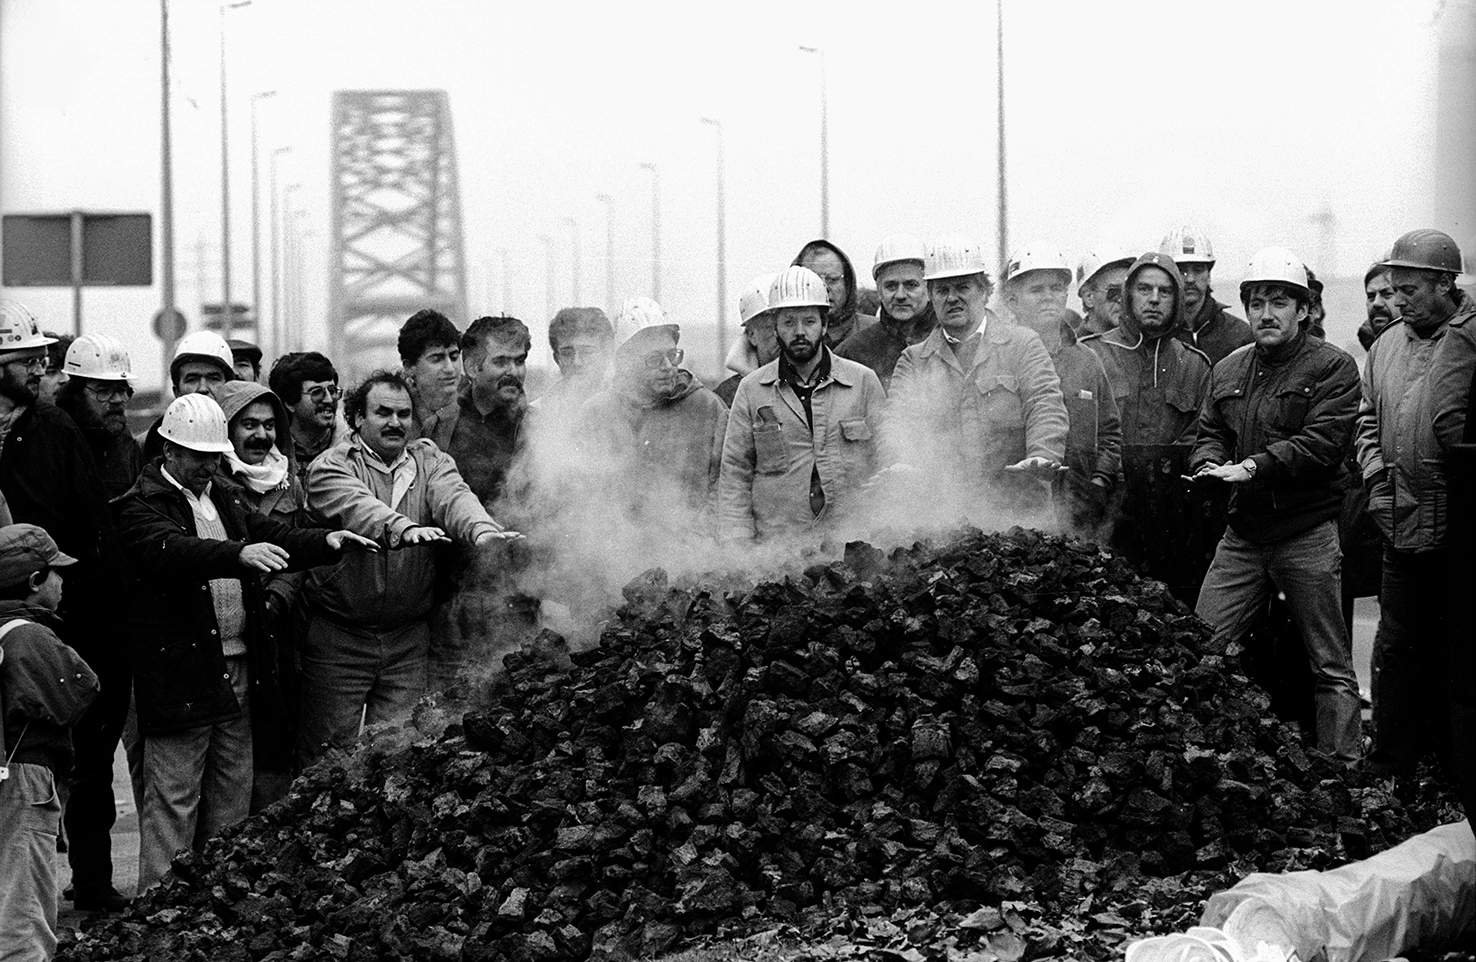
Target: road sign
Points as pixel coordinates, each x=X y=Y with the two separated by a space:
x=77 y=249
x=170 y=326
x=242 y=318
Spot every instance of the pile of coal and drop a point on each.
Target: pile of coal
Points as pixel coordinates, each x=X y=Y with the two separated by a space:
x=1014 y=725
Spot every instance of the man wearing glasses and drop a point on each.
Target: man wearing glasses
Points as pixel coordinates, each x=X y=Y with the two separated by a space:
x=581 y=339
x=1100 y=278
x=96 y=395
x=307 y=384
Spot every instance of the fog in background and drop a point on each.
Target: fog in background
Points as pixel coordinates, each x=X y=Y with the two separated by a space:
x=1308 y=124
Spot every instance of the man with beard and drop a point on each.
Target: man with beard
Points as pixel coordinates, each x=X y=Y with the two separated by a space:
x=1378 y=293
x=1204 y=322
x=1035 y=292
x=307 y=384
x=657 y=433
x=202 y=362
x=907 y=316
x=484 y=431
x=368 y=639
x=581 y=339
x=49 y=479
x=758 y=345
x=430 y=352
x=1100 y=278
x=55 y=377
x=977 y=404
x=1275 y=425
x=1403 y=468
x=831 y=265
x=96 y=396
x=801 y=434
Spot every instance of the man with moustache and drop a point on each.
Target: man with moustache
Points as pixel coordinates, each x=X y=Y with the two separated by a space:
x=202 y=362
x=1204 y=322
x=307 y=384
x=484 y=430
x=581 y=339
x=1275 y=425
x=758 y=345
x=368 y=638
x=1378 y=294
x=1399 y=449
x=801 y=435
x=907 y=316
x=96 y=396
x=430 y=355
x=49 y=479
x=1035 y=291
x=843 y=316
x=978 y=403
x=196 y=616
x=1100 y=278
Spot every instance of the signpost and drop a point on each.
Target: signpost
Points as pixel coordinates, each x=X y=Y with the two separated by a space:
x=78 y=249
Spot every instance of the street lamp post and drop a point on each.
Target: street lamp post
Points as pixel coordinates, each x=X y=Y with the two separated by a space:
x=256 y=213
x=290 y=266
x=824 y=143
x=655 y=231
x=550 y=298
x=574 y=266
x=166 y=187
x=722 y=248
x=278 y=341
x=1003 y=205
x=225 y=181
x=609 y=203
x=506 y=278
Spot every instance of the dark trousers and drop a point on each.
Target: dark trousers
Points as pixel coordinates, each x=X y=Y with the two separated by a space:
x=90 y=810
x=1409 y=688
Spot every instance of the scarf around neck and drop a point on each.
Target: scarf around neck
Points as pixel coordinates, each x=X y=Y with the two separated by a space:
x=269 y=475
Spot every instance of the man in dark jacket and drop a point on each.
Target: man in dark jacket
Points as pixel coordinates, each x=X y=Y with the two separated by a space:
x=1205 y=322
x=96 y=396
x=484 y=430
x=1276 y=424
x=202 y=362
x=843 y=318
x=195 y=552
x=907 y=316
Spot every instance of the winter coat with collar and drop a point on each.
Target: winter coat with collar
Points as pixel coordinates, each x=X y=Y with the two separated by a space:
x=1216 y=332
x=1290 y=412
x=45 y=688
x=770 y=452
x=180 y=679
x=842 y=321
x=1451 y=373
x=970 y=423
x=1159 y=383
x=118 y=457
x=880 y=345
x=1094 y=437
x=484 y=447
x=394 y=586
x=1396 y=435
x=742 y=360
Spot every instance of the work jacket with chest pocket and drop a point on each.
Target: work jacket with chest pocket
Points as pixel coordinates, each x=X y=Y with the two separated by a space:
x=770 y=452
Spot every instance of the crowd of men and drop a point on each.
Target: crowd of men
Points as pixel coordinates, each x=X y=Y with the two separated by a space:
x=274 y=566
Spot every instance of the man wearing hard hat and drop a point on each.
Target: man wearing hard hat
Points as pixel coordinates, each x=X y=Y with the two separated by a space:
x=907 y=316
x=978 y=403
x=843 y=316
x=1275 y=426
x=759 y=344
x=197 y=611
x=1035 y=292
x=1101 y=277
x=96 y=396
x=1408 y=407
x=1205 y=323
x=801 y=435
x=202 y=362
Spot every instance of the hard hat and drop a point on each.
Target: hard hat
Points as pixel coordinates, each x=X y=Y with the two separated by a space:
x=19 y=330
x=1426 y=249
x=797 y=287
x=1188 y=245
x=898 y=247
x=755 y=297
x=638 y=314
x=1037 y=256
x=196 y=422
x=953 y=255
x=1275 y=265
x=205 y=346
x=1095 y=261
x=101 y=357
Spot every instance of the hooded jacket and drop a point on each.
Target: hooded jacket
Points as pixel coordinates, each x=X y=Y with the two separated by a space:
x=45 y=687
x=1215 y=331
x=844 y=320
x=1158 y=382
x=880 y=345
x=288 y=499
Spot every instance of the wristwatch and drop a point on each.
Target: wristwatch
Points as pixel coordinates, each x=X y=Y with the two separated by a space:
x=1250 y=467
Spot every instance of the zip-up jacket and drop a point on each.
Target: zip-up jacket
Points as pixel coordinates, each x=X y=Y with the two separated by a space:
x=45 y=687
x=1215 y=331
x=880 y=346
x=1094 y=439
x=1451 y=372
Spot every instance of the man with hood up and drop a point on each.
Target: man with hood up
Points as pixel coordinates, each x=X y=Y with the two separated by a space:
x=759 y=344
x=907 y=315
x=1157 y=381
x=657 y=432
x=843 y=318
x=1203 y=321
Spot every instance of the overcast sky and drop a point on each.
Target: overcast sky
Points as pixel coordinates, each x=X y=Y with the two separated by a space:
x=1246 y=117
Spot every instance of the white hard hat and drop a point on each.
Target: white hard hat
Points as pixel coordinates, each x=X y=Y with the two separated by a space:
x=1275 y=265
x=206 y=344
x=898 y=247
x=19 y=330
x=196 y=422
x=1037 y=255
x=953 y=255
x=755 y=297
x=1098 y=259
x=797 y=287
x=636 y=315
x=98 y=356
x=1188 y=245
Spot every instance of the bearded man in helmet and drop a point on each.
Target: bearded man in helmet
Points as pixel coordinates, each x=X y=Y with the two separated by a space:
x=196 y=553
x=1400 y=426
x=96 y=395
x=1275 y=426
x=907 y=316
x=1205 y=324
x=202 y=362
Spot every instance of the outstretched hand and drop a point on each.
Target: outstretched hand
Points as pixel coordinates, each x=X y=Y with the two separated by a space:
x=264 y=556
x=340 y=540
x=1039 y=467
x=1233 y=473
x=491 y=536
x=424 y=534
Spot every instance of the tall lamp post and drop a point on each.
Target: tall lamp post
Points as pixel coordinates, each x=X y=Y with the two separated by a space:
x=1004 y=201
x=550 y=298
x=824 y=143
x=278 y=340
x=655 y=231
x=290 y=265
x=166 y=186
x=506 y=278
x=225 y=181
x=256 y=214
x=722 y=248
x=574 y=266
x=609 y=203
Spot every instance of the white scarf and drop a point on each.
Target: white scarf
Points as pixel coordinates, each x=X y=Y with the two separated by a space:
x=269 y=475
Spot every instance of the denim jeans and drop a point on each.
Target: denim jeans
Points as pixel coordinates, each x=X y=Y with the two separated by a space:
x=1307 y=569
x=30 y=819
x=351 y=672
x=196 y=783
x=1409 y=694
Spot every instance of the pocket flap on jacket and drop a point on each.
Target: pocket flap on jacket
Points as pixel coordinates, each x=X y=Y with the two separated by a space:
x=1000 y=382
x=1183 y=400
x=855 y=429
